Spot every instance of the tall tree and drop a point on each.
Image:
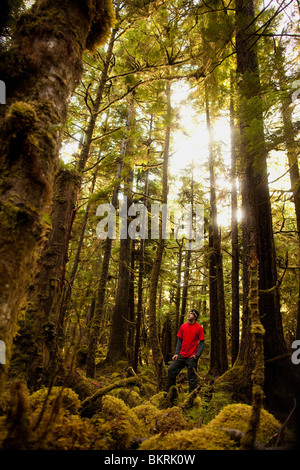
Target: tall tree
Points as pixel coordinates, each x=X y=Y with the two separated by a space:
x=218 y=354
x=291 y=144
x=41 y=71
x=48 y=288
x=235 y=284
x=117 y=340
x=257 y=228
x=153 y=331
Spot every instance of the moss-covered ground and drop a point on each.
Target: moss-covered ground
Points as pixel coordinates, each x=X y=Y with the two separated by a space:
x=126 y=413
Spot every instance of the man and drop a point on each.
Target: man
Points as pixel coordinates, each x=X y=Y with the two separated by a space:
x=189 y=347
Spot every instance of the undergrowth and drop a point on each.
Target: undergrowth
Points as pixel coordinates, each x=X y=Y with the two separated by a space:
x=126 y=414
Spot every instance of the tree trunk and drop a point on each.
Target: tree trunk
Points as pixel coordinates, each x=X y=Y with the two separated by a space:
x=117 y=340
x=187 y=262
x=41 y=71
x=292 y=154
x=280 y=381
x=235 y=314
x=95 y=324
x=153 y=331
x=218 y=347
x=141 y=278
x=53 y=308
x=178 y=292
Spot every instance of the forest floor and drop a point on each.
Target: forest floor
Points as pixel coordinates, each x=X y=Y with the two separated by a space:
x=121 y=410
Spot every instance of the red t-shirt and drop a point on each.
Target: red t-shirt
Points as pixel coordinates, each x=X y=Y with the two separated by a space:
x=190 y=335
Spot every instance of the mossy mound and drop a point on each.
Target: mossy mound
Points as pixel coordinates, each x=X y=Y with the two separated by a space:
x=237 y=417
x=69 y=401
x=130 y=396
x=117 y=424
x=159 y=400
x=162 y=421
x=59 y=427
x=194 y=439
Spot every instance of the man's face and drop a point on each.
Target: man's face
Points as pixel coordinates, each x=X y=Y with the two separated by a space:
x=191 y=317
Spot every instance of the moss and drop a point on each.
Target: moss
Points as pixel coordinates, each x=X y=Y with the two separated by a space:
x=162 y=421
x=148 y=414
x=21 y=118
x=194 y=439
x=237 y=417
x=17 y=217
x=129 y=396
x=69 y=399
x=117 y=424
x=60 y=427
x=159 y=400
x=54 y=20
x=257 y=329
x=102 y=20
x=171 y=420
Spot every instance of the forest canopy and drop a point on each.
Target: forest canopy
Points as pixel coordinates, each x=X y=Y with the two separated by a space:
x=149 y=166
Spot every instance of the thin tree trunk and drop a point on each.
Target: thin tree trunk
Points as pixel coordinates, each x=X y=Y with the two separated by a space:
x=96 y=320
x=41 y=71
x=140 y=282
x=218 y=358
x=187 y=262
x=153 y=331
x=235 y=314
x=178 y=292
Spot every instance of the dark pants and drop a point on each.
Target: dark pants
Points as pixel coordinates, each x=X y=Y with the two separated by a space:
x=177 y=365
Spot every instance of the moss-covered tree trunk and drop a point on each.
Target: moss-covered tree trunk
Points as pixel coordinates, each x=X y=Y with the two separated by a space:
x=292 y=152
x=51 y=310
x=41 y=71
x=280 y=380
x=48 y=284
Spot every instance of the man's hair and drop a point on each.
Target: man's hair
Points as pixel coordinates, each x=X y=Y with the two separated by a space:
x=195 y=313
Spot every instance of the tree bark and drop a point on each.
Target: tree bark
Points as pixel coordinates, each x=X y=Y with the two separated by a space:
x=41 y=71
x=141 y=278
x=218 y=347
x=95 y=325
x=292 y=155
x=42 y=297
x=280 y=381
x=117 y=340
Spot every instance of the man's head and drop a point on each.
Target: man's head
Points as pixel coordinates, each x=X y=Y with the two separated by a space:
x=193 y=315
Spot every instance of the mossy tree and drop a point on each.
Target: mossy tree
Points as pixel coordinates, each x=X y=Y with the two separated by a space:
x=257 y=228
x=41 y=70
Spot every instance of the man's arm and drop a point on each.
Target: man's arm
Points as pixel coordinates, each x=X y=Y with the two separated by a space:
x=177 y=348
x=200 y=349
